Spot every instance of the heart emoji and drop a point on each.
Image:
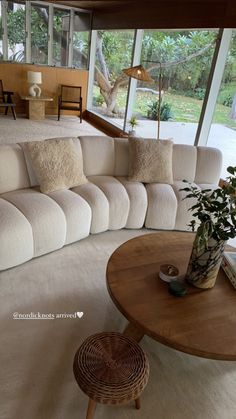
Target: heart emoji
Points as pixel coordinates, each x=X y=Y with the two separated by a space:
x=79 y=314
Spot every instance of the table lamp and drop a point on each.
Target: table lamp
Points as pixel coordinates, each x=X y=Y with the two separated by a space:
x=34 y=78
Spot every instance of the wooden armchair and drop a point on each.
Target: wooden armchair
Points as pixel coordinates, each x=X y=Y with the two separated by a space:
x=70 y=99
x=6 y=100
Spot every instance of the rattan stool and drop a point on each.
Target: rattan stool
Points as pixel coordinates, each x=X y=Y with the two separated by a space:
x=112 y=369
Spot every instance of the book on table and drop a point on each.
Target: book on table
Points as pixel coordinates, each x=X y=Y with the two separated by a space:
x=229 y=266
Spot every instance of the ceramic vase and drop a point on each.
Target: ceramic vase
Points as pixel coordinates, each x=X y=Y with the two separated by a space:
x=204 y=263
x=132 y=133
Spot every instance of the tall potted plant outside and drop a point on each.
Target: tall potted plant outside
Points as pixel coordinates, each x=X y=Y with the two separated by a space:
x=215 y=218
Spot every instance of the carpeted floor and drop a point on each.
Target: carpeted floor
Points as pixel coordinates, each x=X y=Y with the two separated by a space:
x=23 y=129
x=36 y=355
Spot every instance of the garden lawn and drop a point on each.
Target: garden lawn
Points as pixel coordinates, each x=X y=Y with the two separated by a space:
x=184 y=108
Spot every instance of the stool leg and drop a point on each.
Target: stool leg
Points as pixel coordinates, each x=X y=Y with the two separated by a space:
x=137 y=403
x=91 y=409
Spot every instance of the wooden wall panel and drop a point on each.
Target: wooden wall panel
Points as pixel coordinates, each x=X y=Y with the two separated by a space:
x=14 y=78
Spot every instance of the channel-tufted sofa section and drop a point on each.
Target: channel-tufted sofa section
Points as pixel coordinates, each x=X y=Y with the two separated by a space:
x=32 y=223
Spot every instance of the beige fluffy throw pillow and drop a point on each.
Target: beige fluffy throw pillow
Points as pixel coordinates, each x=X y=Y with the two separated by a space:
x=150 y=160
x=58 y=164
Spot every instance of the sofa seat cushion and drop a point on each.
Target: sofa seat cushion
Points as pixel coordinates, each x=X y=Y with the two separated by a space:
x=45 y=216
x=99 y=206
x=211 y=186
x=16 y=237
x=117 y=197
x=77 y=212
x=162 y=206
x=138 y=202
x=184 y=216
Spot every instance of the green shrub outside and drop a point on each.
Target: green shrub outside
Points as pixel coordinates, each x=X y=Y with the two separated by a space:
x=98 y=100
x=165 y=111
x=226 y=94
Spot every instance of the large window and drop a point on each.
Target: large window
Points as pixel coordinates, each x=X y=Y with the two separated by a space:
x=81 y=40
x=184 y=59
x=16 y=31
x=191 y=64
x=1 y=34
x=42 y=34
x=113 y=53
x=223 y=129
x=39 y=34
x=61 y=31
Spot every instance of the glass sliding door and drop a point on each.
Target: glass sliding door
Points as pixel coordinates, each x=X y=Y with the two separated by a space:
x=113 y=53
x=185 y=58
x=16 y=31
x=61 y=32
x=223 y=128
x=39 y=34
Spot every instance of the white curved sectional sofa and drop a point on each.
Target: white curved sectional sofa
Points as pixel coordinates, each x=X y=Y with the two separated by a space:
x=32 y=224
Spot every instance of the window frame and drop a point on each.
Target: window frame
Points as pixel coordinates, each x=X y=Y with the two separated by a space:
x=212 y=89
x=51 y=7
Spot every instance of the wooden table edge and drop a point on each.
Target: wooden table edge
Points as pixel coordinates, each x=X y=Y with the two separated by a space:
x=141 y=331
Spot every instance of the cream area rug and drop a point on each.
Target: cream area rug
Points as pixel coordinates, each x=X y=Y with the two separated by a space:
x=36 y=356
x=23 y=129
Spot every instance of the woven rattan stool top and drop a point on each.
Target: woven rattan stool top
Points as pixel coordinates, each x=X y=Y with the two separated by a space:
x=111 y=368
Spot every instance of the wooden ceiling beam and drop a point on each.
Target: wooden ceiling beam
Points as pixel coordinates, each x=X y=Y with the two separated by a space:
x=158 y=14
x=165 y=15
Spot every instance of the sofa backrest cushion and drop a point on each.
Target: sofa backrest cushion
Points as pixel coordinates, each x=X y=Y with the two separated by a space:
x=107 y=156
x=98 y=155
x=13 y=170
x=184 y=162
x=209 y=163
x=121 y=156
x=32 y=175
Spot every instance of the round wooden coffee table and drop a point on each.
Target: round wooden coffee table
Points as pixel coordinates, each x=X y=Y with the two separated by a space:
x=202 y=323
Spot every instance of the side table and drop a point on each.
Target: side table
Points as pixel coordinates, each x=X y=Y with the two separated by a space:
x=36 y=106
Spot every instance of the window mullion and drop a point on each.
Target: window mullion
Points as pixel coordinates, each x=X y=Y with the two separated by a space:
x=92 y=60
x=133 y=82
x=4 y=28
x=28 y=32
x=50 y=34
x=71 y=29
x=213 y=87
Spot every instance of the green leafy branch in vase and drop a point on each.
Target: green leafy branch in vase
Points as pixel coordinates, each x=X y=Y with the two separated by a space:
x=216 y=211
